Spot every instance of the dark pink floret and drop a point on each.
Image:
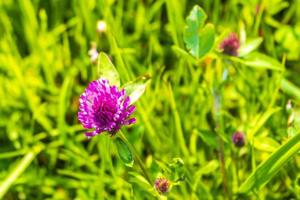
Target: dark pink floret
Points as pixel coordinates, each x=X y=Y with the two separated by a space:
x=230 y=45
x=104 y=108
x=238 y=139
x=162 y=185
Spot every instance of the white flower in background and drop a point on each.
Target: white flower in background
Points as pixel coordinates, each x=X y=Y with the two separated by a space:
x=289 y=106
x=101 y=26
x=93 y=53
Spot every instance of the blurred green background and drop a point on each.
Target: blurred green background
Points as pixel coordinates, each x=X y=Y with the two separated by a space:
x=45 y=66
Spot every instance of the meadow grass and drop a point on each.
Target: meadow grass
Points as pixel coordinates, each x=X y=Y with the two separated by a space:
x=196 y=98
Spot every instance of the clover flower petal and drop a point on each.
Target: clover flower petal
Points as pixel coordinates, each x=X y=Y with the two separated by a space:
x=103 y=107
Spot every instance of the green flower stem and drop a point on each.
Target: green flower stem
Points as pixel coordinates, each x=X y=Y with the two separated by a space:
x=136 y=155
x=179 y=132
x=219 y=125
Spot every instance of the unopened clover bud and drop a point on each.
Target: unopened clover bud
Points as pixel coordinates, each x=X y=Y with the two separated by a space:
x=230 y=45
x=238 y=139
x=257 y=8
x=101 y=26
x=162 y=185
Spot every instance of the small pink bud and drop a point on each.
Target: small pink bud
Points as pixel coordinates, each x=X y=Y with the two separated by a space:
x=230 y=45
x=162 y=185
x=238 y=139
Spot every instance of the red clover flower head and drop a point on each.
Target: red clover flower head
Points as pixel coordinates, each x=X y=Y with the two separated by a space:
x=230 y=45
x=103 y=107
x=162 y=185
x=238 y=139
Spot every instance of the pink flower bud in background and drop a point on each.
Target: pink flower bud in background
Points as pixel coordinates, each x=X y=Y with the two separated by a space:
x=162 y=185
x=257 y=8
x=238 y=139
x=230 y=45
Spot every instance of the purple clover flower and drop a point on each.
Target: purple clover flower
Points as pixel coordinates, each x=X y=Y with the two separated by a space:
x=238 y=139
x=230 y=45
x=104 y=108
x=162 y=185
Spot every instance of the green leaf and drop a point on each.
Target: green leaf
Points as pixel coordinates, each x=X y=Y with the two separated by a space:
x=194 y=22
x=277 y=7
x=290 y=88
x=206 y=40
x=182 y=52
x=141 y=181
x=107 y=70
x=124 y=152
x=209 y=137
x=259 y=60
x=249 y=46
x=209 y=167
x=265 y=144
x=267 y=169
x=163 y=166
x=19 y=169
x=135 y=89
x=262 y=118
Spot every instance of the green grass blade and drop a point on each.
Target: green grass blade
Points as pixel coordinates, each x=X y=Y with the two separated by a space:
x=267 y=169
x=249 y=46
x=291 y=89
x=261 y=121
x=65 y=94
x=19 y=169
x=179 y=132
x=259 y=61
